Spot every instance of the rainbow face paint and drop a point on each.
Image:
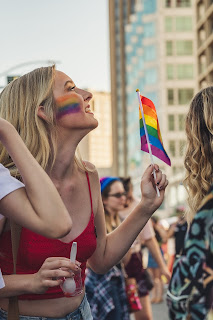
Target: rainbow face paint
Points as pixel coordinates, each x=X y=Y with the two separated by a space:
x=67 y=104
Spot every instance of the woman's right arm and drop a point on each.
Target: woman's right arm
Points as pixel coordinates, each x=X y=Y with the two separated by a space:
x=38 y=206
x=51 y=273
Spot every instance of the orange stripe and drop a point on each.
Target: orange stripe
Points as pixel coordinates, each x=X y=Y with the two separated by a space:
x=150 y=112
x=148 y=102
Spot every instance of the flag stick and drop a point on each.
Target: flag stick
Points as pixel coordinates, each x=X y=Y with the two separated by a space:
x=147 y=138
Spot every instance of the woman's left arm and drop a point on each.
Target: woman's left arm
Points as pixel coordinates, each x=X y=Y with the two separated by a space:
x=112 y=247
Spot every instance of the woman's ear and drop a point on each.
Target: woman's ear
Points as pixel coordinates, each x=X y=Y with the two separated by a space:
x=41 y=113
x=104 y=201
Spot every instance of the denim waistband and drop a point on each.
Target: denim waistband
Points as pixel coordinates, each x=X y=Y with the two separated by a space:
x=81 y=313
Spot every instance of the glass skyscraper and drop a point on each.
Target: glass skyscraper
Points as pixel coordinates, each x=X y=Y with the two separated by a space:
x=153 y=48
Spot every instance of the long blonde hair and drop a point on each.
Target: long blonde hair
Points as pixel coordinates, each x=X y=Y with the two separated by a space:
x=199 y=153
x=19 y=103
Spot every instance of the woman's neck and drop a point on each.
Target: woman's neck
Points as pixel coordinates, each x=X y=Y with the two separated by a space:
x=64 y=164
x=112 y=214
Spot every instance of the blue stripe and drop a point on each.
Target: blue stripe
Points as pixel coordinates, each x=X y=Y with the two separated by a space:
x=155 y=142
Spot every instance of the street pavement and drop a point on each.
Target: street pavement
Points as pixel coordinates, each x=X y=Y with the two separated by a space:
x=160 y=311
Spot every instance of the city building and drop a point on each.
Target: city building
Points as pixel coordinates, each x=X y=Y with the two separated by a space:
x=96 y=147
x=204 y=12
x=153 y=48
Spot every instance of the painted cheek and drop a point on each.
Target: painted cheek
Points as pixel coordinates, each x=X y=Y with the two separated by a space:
x=66 y=105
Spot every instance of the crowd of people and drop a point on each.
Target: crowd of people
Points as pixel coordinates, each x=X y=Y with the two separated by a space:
x=51 y=198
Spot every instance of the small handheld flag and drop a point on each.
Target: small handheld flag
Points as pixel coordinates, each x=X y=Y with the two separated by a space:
x=151 y=140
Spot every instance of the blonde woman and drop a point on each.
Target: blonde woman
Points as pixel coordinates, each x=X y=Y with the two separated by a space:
x=52 y=115
x=190 y=293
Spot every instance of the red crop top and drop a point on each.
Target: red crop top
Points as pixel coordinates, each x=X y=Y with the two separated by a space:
x=34 y=249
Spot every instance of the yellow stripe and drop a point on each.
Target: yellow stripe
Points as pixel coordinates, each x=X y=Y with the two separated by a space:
x=150 y=121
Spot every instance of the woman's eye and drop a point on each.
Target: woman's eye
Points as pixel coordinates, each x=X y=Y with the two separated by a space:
x=71 y=88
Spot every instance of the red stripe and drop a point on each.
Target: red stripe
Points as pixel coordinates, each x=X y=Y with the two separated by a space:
x=148 y=102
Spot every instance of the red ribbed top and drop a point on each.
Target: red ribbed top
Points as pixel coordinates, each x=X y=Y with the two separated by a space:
x=34 y=249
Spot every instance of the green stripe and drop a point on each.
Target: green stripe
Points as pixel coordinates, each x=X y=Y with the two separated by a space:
x=152 y=131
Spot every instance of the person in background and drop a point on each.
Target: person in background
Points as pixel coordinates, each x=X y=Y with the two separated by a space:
x=52 y=115
x=106 y=293
x=178 y=230
x=153 y=267
x=190 y=292
x=134 y=263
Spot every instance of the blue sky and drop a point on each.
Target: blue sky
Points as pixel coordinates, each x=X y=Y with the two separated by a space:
x=73 y=32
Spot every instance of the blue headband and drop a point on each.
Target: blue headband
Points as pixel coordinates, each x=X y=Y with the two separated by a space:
x=105 y=181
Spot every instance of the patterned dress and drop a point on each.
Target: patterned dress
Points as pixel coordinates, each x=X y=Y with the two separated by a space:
x=190 y=292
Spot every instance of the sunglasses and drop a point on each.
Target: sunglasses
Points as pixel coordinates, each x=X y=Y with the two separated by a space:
x=117 y=195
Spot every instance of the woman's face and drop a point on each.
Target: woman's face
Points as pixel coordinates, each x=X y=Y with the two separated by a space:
x=73 y=109
x=116 y=198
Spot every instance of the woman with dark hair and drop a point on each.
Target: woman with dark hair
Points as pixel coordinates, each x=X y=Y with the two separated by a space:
x=190 y=293
x=106 y=293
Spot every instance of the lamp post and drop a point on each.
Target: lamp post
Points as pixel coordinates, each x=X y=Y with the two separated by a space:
x=9 y=78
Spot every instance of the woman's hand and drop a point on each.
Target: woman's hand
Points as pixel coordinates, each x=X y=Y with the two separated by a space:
x=165 y=272
x=148 y=187
x=52 y=272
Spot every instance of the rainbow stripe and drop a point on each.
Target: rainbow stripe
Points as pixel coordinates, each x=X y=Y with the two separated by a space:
x=153 y=129
x=66 y=105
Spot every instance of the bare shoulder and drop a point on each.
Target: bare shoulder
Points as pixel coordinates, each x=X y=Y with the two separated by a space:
x=95 y=185
x=92 y=171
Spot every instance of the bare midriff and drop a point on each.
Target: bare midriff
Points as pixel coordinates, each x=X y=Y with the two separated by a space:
x=52 y=308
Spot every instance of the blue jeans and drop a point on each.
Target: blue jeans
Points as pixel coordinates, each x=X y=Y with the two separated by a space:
x=82 y=313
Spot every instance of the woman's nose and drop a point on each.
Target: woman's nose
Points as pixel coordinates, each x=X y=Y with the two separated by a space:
x=87 y=96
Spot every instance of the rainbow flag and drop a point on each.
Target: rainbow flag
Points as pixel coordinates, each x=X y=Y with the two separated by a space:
x=153 y=130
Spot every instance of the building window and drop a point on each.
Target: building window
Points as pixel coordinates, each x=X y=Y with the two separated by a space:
x=170 y=96
x=174 y=170
x=172 y=148
x=202 y=63
x=151 y=76
x=185 y=95
x=168 y=24
x=182 y=144
x=183 y=3
x=184 y=47
x=169 y=48
x=168 y=3
x=201 y=10
x=150 y=53
x=170 y=71
x=185 y=71
x=181 y=122
x=201 y=36
x=171 y=122
x=149 y=29
x=183 y=24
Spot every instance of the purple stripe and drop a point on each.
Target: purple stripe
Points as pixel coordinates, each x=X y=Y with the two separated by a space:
x=157 y=153
x=67 y=110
